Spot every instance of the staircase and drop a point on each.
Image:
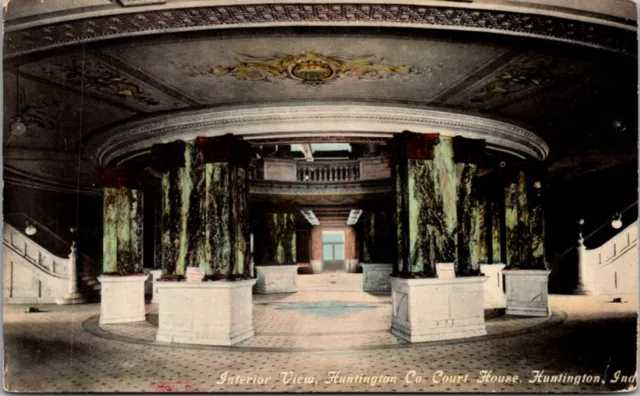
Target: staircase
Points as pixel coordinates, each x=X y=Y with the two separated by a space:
x=33 y=274
x=612 y=268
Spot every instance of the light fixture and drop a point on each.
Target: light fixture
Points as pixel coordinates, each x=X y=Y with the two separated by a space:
x=18 y=127
x=31 y=229
x=616 y=223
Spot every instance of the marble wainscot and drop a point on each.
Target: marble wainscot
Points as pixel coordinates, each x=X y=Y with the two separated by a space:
x=207 y=313
x=375 y=277
x=430 y=309
x=494 y=296
x=527 y=292
x=122 y=298
x=276 y=279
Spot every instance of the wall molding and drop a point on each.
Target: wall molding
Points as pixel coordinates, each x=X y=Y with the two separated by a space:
x=272 y=122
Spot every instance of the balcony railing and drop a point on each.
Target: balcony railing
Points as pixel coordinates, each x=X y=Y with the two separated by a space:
x=320 y=171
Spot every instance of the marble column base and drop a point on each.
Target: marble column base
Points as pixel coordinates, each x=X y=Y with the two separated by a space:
x=494 y=296
x=71 y=299
x=155 y=275
x=316 y=266
x=206 y=313
x=276 y=279
x=375 y=277
x=437 y=309
x=350 y=265
x=122 y=299
x=527 y=292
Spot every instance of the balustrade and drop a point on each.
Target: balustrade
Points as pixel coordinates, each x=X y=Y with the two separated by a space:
x=319 y=171
x=328 y=172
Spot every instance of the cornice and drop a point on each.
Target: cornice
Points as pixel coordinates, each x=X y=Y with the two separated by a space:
x=18 y=178
x=271 y=122
x=31 y=35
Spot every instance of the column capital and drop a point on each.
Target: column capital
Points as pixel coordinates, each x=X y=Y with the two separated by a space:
x=410 y=145
x=120 y=178
x=468 y=151
x=168 y=155
x=225 y=148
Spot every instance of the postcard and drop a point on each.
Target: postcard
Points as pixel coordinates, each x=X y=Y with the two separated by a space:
x=420 y=196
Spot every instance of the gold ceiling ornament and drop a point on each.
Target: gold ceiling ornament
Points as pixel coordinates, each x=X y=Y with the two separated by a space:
x=309 y=68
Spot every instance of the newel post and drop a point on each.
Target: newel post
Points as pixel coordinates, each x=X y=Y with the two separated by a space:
x=72 y=296
x=581 y=288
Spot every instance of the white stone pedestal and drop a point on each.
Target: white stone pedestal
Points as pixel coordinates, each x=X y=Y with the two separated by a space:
x=276 y=279
x=375 y=277
x=122 y=299
x=437 y=309
x=316 y=266
x=350 y=265
x=208 y=313
x=155 y=275
x=527 y=292
x=494 y=296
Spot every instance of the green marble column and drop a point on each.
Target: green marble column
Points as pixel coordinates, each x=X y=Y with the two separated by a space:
x=376 y=236
x=425 y=219
x=536 y=218
x=478 y=241
x=204 y=207
x=278 y=239
x=496 y=240
x=122 y=238
x=518 y=233
x=467 y=154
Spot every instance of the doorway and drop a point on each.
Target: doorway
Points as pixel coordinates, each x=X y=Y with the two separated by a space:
x=333 y=251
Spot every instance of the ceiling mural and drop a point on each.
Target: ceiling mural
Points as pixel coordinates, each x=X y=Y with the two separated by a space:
x=89 y=75
x=240 y=70
x=309 y=68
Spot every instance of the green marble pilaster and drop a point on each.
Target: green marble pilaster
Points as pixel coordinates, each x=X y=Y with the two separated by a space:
x=278 y=239
x=122 y=238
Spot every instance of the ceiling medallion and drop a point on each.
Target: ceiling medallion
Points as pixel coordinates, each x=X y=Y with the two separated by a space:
x=309 y=68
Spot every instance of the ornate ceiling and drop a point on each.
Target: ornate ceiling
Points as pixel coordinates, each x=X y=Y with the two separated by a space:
x=578 y=99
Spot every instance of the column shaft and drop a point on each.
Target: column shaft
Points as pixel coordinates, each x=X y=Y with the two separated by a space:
x=122 y=238
x=205 y=220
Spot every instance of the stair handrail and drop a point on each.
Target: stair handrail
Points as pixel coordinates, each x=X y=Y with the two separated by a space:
x=8 y=244
x=605 y=224
x=48 y=231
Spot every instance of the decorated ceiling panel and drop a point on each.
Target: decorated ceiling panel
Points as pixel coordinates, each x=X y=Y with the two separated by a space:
x=85 y=73
x=524 y=75
x=240 y=70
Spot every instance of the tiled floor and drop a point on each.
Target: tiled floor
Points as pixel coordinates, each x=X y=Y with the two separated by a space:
x=53 y=352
